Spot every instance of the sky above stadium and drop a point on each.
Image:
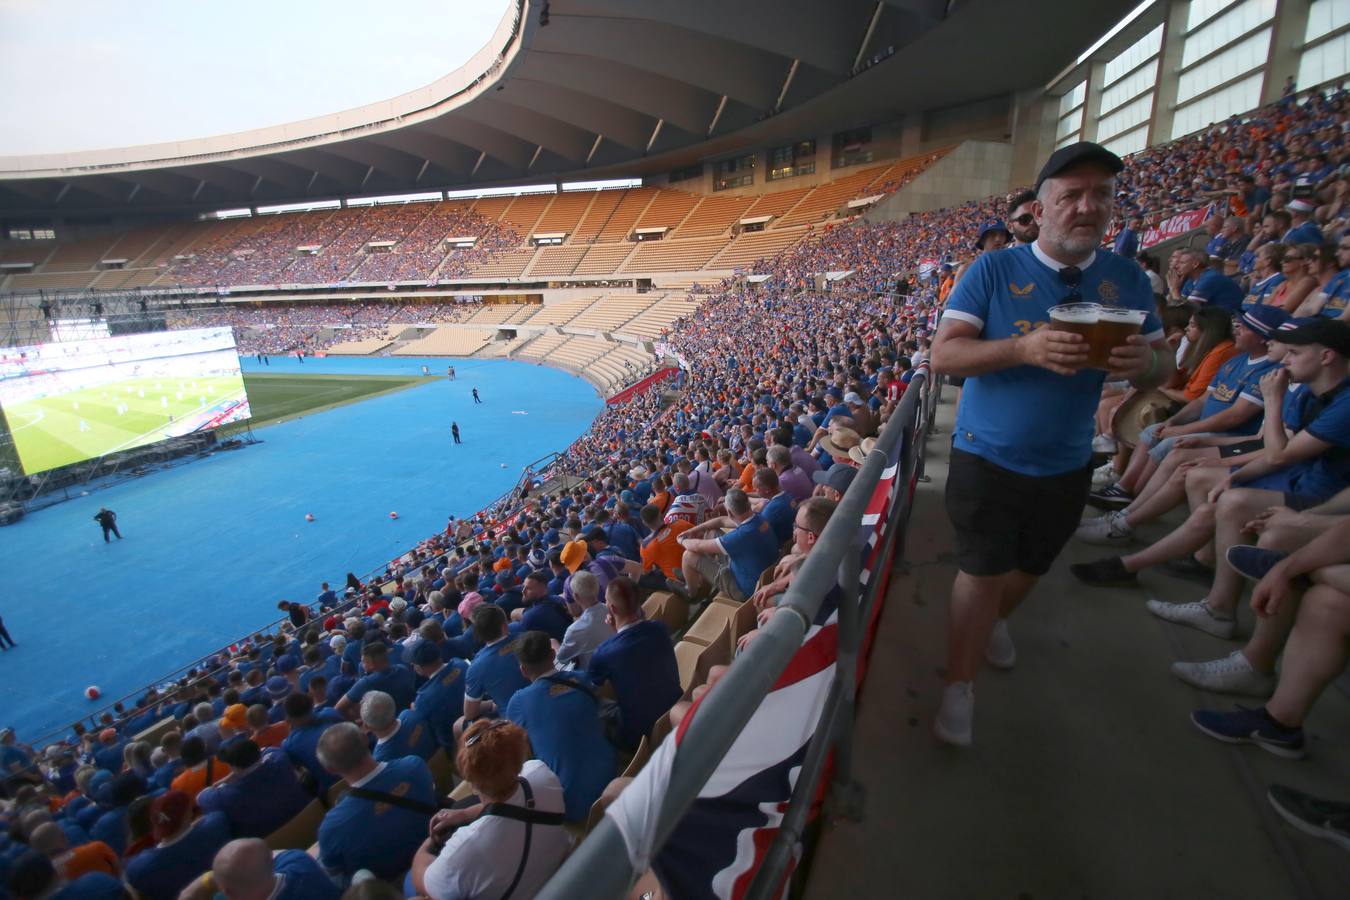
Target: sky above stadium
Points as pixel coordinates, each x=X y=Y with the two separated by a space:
x=90 y=74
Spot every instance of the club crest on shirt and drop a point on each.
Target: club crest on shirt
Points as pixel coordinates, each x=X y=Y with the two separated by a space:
x=1023 y=290
x=1108 y=291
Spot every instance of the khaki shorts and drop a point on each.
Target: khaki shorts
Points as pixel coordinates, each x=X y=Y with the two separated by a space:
x=716 y=570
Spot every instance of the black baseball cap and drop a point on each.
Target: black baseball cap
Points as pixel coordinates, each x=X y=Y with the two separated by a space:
x=1072 y=155
x=1330 y=333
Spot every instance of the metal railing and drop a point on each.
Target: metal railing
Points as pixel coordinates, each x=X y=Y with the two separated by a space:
x=601 y=866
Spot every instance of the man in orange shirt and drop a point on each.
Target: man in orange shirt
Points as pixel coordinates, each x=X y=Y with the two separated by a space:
x=72 y=862
x=661 y=550
x=200 y=770
x=265 y=733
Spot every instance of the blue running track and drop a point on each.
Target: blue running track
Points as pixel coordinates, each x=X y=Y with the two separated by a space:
x=210 y=547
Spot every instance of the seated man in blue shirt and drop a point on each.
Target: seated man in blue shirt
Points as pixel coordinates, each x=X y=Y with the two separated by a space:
x=245 y=868
x=733 y=562
x=493 y=676
x=640 y=663
x=542 y=611
x=395 y=680
x=302 y=742
x=775 y=506
x=440 y=700
x=379 y=833
x=261 y=794
x=396 y=734
x=560 y=713
x=1211 y=286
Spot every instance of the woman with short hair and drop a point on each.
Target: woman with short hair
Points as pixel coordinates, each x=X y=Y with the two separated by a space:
x=511 y=842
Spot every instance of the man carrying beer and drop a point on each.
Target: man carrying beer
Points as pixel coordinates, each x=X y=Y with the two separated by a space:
x=1021 y=448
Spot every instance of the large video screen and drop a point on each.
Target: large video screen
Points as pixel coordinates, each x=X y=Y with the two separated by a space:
x=66 y=402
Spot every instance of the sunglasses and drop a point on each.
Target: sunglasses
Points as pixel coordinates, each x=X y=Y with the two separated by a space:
x=1025 y=219
x=491 y=726
x=1290 y=257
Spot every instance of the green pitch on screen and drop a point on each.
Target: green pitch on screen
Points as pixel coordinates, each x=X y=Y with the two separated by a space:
x=85 y=424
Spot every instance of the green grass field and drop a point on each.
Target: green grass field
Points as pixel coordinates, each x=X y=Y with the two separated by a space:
x=276 y=397
x=85 y=424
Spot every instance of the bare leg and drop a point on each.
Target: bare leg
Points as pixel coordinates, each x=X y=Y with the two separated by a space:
x=1271 y=632
x=698 y=585
x=975 y=603
x=1337 y=577
x=1235 y=508
x=1187 y=537
x=1169 y=466
x=1164 y=498
x=1317 y=652
x=1014 y=592
x=1134 y=470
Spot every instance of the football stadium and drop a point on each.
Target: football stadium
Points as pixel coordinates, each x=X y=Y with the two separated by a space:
x=613 y=467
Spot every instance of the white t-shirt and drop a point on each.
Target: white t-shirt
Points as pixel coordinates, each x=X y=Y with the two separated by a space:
x=481 y=858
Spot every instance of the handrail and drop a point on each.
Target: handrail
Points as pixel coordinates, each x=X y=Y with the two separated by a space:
x=601 y=865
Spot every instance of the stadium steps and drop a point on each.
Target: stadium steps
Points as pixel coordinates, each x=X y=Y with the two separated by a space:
x=1086 y=778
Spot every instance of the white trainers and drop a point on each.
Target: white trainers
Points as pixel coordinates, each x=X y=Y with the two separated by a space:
x=1109 y=529
x=1232 y=674
x=1103 y=443
x=1000 y=652
x=1104 y=476
x=1197 y=615
x=956 y=714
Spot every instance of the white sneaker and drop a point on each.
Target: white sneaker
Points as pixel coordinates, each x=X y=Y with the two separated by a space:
x=954 y=719
x=1000 y=652
x=1197 y=615
x=1232 y=674
x=1104 y=476
x=1103 y=443
x=1109 y=529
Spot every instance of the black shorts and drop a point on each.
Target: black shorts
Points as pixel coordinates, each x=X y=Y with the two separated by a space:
x=1008 y=521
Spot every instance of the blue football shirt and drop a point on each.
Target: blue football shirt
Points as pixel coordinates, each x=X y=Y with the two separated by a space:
x=1026 y=418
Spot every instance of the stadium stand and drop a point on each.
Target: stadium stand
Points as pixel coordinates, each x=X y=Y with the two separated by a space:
x=714 y=215
x=858 y=330
x=603 y=259
x=565 y=212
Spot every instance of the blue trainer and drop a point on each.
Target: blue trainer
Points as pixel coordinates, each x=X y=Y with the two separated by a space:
x=1251 y=726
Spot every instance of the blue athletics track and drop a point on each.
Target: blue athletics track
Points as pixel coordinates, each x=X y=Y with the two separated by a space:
x=211 y=546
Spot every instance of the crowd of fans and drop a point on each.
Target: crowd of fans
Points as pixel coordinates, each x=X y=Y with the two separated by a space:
x=514 y=643
x=336 y=247
x=309 y=328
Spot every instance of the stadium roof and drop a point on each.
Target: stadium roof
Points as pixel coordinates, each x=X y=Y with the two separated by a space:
x=595 y=89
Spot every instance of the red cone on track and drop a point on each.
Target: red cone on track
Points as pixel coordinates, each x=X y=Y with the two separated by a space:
x=309 y=517
x=393 y=515
x=92 y=692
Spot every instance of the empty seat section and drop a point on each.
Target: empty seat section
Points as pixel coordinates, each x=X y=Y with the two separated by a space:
x=669 y=208
x=491 y=208
x=826 y=199
x=447 y=341
x=52 y=281
x=714 y=216
x=557 y=260
x=603 y=259
x=560 y=313
x=611 y=312
x=674 y=255
x=596 y=215
x=81 y=255
x=524 y=211
x=25 y=252
x=776 y=204
x=624 y=219
x=565 y=212
x=495 y=313
x=542 y=346
x=366 y=345
x=754 y=246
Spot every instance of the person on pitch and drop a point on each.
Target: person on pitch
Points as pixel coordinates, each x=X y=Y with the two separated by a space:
x=107 y=519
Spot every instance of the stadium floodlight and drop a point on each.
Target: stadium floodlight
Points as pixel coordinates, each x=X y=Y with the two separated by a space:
x=602 y=184
x=229 y=213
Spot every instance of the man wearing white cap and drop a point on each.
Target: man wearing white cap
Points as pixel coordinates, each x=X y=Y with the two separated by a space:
x=1305 y=231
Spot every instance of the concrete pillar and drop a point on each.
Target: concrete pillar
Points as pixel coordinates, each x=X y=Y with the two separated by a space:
x=1035 y=117
x=1165 y=94
x=1092 y=102
x=1286 y=47
x=911 y=135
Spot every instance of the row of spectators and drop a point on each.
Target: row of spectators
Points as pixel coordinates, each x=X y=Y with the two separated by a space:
x=266 y=250
x=518 y=647
x=313 y=327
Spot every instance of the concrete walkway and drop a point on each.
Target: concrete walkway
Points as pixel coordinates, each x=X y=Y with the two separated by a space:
x=1087 y=778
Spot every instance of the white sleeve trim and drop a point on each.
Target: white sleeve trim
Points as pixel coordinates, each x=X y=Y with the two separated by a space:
x=963 y=317
x=1197 y=298
x=1259 y=401
x=1154 y=336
